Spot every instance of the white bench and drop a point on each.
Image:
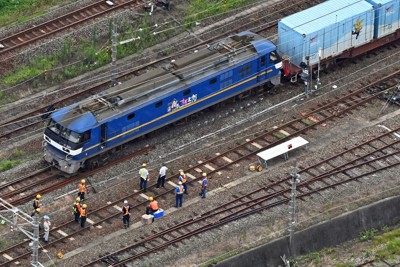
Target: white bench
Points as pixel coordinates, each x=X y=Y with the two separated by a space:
x=281 y=149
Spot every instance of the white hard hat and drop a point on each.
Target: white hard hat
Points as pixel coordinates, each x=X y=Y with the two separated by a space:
x=125 y=201
x=46 y=217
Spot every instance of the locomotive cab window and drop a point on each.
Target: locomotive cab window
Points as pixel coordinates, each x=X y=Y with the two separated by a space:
x=186 y=92
x=273 y=57
x=158 y=104
x=131 y=116
x=213 y=80
x=262 y=61
x=54 y=127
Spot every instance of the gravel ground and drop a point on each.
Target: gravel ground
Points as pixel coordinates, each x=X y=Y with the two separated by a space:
x=191 y=145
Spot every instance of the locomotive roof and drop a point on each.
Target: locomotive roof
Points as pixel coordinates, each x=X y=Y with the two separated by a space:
x=154 y=84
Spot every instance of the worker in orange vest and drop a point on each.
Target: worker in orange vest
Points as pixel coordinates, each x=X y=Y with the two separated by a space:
x=83 y=215
x=182 y=178
x=36 y=205
x=179 y=195
x=126 y=214
x=152 y=207
x=82 y=189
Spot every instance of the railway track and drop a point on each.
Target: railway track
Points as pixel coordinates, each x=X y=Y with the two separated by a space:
x=17 y=124
x=377 y=154
x=245 y=151
x=31 y=35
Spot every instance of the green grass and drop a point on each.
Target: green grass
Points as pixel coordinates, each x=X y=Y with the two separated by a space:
x=367 y=234
x=200 y=9
x=8 y=164
x=24 y=10
x=392 y=244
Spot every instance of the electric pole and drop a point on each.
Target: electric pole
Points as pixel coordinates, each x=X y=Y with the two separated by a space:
x=17 y=220
x=114 y=54
x=292 y=209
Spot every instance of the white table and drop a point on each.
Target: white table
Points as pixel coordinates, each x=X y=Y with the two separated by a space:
x=281 y=149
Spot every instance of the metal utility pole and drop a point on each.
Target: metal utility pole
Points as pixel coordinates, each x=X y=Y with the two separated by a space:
x=292 y=209
x=319 y=68
x=13 y=215
x=114 y=55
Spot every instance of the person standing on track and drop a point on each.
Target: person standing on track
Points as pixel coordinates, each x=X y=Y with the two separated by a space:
x=126 y=214
x=144 y=177
x=46 y=225
x=204 y=183
x=82 y=189
x=36 y=205
x=161 y=176
x=83 y=215
x=179 y=195
x=77 y=207
x=182 y=178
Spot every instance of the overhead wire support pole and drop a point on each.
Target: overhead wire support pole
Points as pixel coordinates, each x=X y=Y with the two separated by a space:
x=114 y=38
x=292 y=209
x=18 y=215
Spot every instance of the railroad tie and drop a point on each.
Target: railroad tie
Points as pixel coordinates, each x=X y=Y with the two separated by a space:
x=227 y=159
x=8 y=257
x=257 y=145
x=89 y=221
x=209 y=167
x=117 y=207
x=171 y=183
x=144 y=196
x=192 y=177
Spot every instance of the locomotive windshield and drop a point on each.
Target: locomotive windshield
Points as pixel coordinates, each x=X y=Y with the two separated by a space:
x=65 y=133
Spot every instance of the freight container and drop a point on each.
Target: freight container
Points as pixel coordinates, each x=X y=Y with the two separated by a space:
x=334 y=26
x=386 y=16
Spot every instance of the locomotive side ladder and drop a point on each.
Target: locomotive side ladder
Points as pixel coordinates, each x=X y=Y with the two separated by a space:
x=281 y=150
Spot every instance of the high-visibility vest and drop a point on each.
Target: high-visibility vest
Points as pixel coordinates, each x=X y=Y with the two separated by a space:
x=153 y=205
x=82 y=188
x=77 y=207
x=36 y=204
x=126 y=210
x=180 y=190
x=143 y=173
x=182 y=179
x=83 y=213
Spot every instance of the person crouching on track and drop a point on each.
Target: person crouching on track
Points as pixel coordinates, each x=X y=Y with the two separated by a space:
x=126 y=214
x=77 y=207
x=179 y=195
x=46 y=225
x=36 y=205
x=144 y=177
x=152 y=207
x=82 y=189
x=83 y=215
x=182 y=178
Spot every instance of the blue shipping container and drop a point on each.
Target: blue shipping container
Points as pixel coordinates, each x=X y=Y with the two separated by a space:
x=334 y=26
x=386 y=16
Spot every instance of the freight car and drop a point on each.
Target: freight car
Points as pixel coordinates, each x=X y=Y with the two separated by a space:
x=335 y=30
x=78 y=135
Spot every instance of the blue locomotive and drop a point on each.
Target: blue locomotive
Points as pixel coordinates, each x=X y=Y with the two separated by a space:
x=78 y=134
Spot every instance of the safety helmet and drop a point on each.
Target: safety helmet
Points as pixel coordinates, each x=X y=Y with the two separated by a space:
x=84 y=206
x=180 y=170
x=125 y=201
x=144 y=165
x=182 y=173
x=38 y=196
x=180 y=183
x=46 y=217
x=151 y=198
x=38 y=209
x=78 y=199
x=83 y=181
x=204 y=174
